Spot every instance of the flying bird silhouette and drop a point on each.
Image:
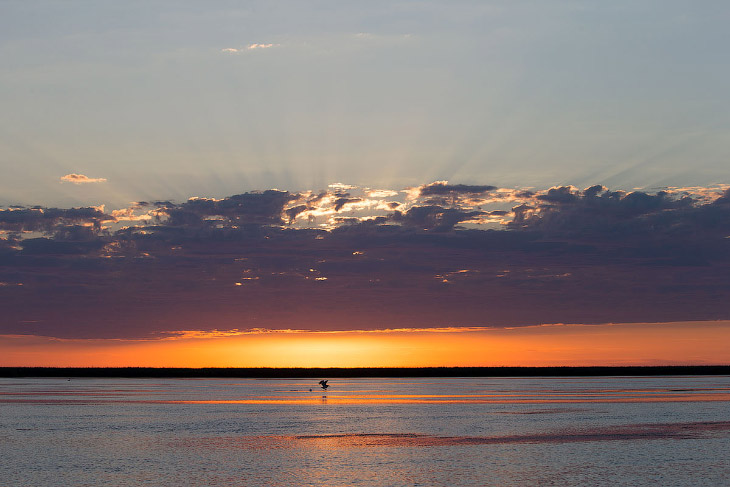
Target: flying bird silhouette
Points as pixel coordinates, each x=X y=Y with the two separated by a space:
x=324 y=384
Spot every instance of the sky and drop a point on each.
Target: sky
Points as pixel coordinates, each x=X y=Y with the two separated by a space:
x=406 y=183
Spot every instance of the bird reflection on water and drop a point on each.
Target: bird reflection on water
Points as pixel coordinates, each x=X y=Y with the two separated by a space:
x=324 y=385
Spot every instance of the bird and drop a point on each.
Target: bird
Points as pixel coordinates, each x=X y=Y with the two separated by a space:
x=324 y=384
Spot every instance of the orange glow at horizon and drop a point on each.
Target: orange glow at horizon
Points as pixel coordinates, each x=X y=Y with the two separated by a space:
x=682 y=343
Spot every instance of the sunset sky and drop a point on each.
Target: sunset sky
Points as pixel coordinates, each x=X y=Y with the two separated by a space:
x=401 y=183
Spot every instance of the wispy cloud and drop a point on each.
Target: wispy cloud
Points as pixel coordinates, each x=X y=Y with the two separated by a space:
x=81 y=179
x=215 y=333
x=261 y=46
x=250 y=47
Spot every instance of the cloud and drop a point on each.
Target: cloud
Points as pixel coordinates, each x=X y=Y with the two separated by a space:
x=381 y=193
x=341 y=186
x=565 y=254
x=50 y=220
x=215 y=333
x=131 y=213
x=341 y=202
x=442 y=188
x=81 y=179
x=724 y=199
x=249 y=47
x=563 y=194
x=260 y=46
x=597 y=211
x=434 y=217
x=265 y=207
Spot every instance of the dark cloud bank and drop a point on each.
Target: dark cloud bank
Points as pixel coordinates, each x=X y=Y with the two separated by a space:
x=444 y=255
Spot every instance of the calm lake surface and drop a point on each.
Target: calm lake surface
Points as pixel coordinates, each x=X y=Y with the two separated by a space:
x=377 y=432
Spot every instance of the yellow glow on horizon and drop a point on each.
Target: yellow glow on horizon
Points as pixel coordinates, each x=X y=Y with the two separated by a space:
x=684 y=343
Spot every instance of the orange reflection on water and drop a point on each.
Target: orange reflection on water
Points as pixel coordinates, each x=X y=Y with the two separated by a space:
x=311 y=401
x=354 y=401
x=616 y=344
x=626 y=432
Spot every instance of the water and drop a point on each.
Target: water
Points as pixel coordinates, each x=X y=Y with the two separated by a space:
x=376 y=432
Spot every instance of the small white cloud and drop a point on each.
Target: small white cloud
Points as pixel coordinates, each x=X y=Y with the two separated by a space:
x=381 y=193
x=81 y=179
x=261 y=46
x=250 y=47
x=341 y=186
x=129 y=214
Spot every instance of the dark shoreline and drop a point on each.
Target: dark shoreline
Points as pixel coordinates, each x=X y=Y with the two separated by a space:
x=283 y=373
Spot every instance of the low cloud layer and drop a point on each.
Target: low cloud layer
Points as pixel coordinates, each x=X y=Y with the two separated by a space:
x=437 y=255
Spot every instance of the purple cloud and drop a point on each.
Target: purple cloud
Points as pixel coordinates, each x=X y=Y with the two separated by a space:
x=256 y=260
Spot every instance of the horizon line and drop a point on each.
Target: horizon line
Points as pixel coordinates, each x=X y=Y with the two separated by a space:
x=363 y=372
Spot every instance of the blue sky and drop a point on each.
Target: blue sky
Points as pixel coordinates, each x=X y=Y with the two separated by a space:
x=168 y=100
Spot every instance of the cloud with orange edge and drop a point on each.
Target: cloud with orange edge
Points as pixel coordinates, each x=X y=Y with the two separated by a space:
x=81 y=179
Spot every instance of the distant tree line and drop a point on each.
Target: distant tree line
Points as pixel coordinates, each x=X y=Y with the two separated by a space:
x=342 y=372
